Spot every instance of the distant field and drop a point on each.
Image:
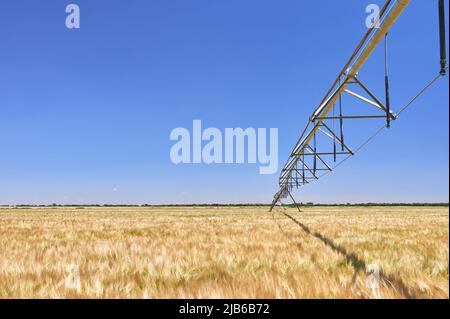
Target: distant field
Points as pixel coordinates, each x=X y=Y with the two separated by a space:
x=224 y=252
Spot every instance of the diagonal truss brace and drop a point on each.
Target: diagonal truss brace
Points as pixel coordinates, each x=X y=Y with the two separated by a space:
x=291 y=172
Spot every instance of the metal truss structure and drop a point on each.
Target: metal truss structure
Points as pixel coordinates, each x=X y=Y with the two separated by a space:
x=322 y=142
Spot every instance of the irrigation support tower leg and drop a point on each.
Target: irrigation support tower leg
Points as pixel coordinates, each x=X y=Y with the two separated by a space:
x=296 y=205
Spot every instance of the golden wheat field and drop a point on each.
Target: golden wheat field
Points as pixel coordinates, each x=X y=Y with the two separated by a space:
x=224 y=252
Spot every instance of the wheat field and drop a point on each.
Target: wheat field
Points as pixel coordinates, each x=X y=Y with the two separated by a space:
x=224 y=252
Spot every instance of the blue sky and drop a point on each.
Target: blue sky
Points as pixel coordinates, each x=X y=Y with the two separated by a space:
x=85 y=115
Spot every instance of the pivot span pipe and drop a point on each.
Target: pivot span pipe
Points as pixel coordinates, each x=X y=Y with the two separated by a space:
x=322 y=111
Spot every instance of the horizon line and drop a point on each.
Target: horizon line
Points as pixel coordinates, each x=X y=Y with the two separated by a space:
x=232 y=204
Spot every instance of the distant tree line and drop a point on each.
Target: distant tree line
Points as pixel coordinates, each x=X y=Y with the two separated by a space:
x=308 y=204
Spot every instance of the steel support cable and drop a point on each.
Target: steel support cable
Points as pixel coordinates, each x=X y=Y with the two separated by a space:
x=422 y=91
x=356 y=53
x=380 y=129
x=385 y=11
x=393 y=13
x=359 y=57
x=360 y=45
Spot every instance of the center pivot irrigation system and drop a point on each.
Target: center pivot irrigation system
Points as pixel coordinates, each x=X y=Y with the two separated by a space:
x=307 y=162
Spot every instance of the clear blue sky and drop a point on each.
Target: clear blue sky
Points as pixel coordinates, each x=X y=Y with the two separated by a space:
x=85 y=115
